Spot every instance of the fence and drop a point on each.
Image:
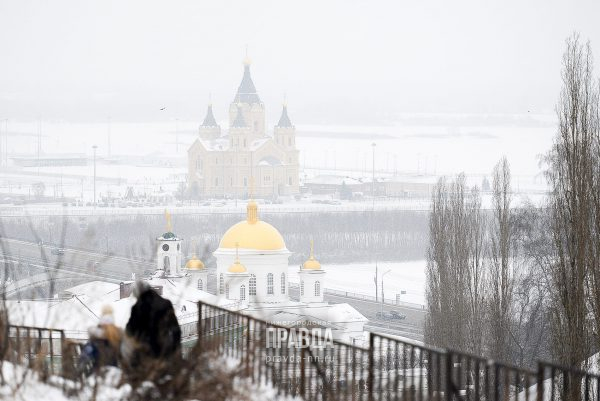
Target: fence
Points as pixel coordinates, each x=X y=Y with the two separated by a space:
x=365 y=297
x=314 y=368
x=42 y=349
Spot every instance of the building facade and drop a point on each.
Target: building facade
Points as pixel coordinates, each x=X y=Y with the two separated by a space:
x=245 y=160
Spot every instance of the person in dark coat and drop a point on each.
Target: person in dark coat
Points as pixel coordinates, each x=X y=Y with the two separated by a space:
x=152 y=330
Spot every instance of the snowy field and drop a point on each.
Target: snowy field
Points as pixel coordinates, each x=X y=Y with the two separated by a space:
x=358 y=278
x=437 y=144
x=152 y=157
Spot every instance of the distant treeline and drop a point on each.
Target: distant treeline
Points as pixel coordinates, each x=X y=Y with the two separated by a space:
x=338 y=236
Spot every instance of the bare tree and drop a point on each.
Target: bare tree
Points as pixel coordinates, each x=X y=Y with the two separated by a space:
x=438 y=325
x=530 y=325
x=476 y=273
x=501 y=280
x=571 y=176
x=455 y=267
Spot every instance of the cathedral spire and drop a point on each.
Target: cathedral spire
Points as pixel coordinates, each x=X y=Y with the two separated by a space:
x=209 y=120
x=246 y=92
x=284 y=120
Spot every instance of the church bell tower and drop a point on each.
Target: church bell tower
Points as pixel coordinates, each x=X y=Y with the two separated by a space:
x=168 y=253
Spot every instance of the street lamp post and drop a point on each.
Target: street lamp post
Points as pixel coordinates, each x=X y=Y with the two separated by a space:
x=95 y=147
x=4 y=143
x=382 y=294
x=373 y=218
x=373 y=177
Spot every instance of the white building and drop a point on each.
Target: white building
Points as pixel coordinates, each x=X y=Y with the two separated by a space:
x=252 y=267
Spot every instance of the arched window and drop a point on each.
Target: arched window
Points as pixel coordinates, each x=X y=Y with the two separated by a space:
x=200 y=287
x=270 y=283
x=221 y=284
x=243 y=293
x=317 y=289
x=283 y=283
x=227 y=290
x=302 y=287
x=252 y=284
x=166 y=264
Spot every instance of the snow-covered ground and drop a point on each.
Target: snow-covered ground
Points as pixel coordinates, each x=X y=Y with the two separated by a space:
x=25 y=385
x=358 y=278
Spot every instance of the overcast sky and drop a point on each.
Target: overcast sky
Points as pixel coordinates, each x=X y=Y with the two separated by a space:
x=338 y=61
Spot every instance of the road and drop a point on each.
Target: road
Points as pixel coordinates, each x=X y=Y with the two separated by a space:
x=91 y=263
x=411 y=327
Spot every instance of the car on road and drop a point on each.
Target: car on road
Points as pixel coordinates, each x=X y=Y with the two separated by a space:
x=58 y=251
x=392 y=315
x=397 y=315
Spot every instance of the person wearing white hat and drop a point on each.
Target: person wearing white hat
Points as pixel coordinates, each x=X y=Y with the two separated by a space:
x=104 y=344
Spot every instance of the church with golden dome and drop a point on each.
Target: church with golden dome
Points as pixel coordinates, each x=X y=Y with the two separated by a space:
x=253 y=274
x=221 y=164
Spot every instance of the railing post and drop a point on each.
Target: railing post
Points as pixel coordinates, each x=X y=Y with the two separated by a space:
x=448 y=376
x=199 y=328
x=540 y=382
x=370 y=377
x=247 y=346
x=302 y=372
x=51 y=348
x=18 y=345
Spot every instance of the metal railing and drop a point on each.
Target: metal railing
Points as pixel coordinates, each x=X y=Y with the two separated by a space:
x=38 y=348
x=307 y=363
x=89 y=211
x=389 y=369
x=44 y=350
x=364 y=297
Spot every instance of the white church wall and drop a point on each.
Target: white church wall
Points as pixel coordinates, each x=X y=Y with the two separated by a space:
x=259 y=265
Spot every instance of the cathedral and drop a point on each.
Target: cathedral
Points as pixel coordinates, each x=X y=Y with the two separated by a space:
x=253 y=271
x=224 y=164
x=253 y=277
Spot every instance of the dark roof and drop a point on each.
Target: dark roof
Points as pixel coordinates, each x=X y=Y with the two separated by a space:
x=239 y=119
x=209 y=120
x=169 y=235
x=284 y=120
x=246 y=92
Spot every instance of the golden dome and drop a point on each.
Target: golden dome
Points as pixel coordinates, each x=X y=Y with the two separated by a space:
x=311 y=263
x=252 y=233
x=237 y=267
x=194 y=264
